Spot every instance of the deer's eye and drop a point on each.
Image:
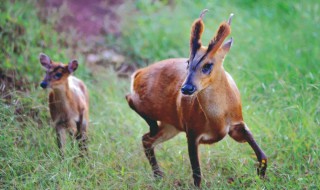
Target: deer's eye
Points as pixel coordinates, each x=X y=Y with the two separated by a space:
x=57 y=76
x=206 y=69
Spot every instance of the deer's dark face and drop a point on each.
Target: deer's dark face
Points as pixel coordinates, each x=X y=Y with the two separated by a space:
x=56 y=73
x=205 y=62
x=203 y=71
x=197 y=67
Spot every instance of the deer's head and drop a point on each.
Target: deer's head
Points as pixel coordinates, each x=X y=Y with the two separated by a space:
x=56 y=73
x=205 y=62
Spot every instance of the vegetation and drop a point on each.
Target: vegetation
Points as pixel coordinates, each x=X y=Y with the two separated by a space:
x=274 y=60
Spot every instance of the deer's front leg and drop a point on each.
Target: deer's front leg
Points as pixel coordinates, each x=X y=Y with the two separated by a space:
x=61 y=138
x=262 y=158
x=194 y=159
x=241 y=133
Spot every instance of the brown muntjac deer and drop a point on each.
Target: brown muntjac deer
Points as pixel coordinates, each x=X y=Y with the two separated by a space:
x=68 y=102
x=196 y=96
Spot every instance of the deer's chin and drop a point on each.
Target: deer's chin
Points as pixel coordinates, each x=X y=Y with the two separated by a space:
x=57 y=86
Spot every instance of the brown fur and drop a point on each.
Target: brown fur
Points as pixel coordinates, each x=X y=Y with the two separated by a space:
x=68 y=103
x=207 y=116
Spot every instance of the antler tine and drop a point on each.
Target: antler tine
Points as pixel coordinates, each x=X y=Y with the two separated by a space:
x=203 y=13
x=230 y=19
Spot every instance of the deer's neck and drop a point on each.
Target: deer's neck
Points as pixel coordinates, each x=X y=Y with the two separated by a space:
x=62 y=94
x=213 y=99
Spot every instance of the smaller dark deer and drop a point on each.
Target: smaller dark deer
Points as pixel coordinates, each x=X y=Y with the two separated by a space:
x=68 y=102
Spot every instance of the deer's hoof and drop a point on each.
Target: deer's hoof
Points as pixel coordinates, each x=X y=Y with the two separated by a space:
x=261 y=170
x=158 y=174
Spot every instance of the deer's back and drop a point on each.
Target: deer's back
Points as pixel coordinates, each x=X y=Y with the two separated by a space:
x=155 y=89
x=69 y=104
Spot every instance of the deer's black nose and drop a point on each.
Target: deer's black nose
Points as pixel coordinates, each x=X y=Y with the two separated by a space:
x=188 y=89
x=44 y=84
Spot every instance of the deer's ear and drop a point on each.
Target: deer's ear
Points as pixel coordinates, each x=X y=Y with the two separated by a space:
x=72 y=66
x=224 y=49
x=45 y=60
x=227 y=45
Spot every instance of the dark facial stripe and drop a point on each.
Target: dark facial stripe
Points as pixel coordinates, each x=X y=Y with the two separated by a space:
x=215 y=43
x=57 y=68
x=211 y=45
x=201 y=59
x=189 y=78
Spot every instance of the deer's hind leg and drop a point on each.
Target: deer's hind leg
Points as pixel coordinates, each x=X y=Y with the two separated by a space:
x=157 y=134
x=164 y=133
x=81 y=136
x=241 y=133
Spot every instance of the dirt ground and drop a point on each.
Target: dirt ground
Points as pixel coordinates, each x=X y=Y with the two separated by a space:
x=88 y=17
x=90 y=21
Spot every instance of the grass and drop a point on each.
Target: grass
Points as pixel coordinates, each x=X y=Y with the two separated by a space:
x=274 y=61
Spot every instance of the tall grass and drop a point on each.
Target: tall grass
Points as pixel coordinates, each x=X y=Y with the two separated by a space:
x=274 y=61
